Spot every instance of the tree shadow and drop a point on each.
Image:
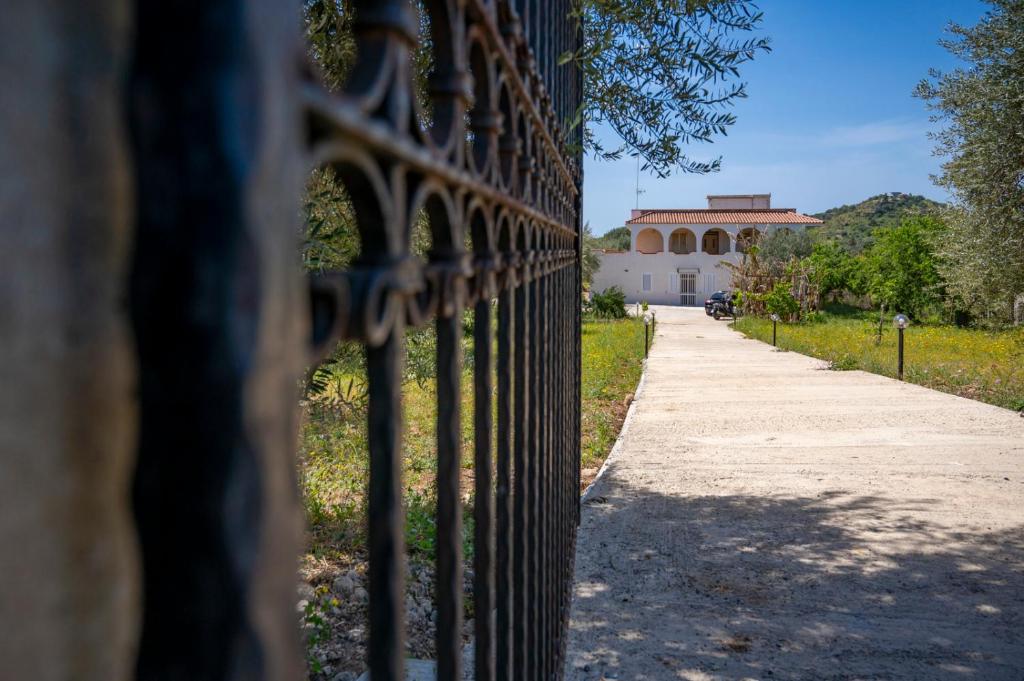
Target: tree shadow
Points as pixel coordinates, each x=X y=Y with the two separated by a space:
x=836 y=586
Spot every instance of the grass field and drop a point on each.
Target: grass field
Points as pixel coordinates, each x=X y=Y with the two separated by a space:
x=612 y=363
x=333 y=468
x=981 y=365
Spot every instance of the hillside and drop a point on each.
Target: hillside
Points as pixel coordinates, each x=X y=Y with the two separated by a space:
x=852 y=225
x=615 y=239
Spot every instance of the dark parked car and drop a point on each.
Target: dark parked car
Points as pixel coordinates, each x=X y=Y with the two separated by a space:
x=717 y=297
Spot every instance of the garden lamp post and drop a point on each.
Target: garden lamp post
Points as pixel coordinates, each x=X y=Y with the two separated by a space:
x=647 y=322
x=901 y=323
x=775 y=323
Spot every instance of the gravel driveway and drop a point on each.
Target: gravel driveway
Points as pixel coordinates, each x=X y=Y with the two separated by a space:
x=765 y=518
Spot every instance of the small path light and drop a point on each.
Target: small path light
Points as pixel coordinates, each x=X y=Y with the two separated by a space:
x=647 y=323
x=901 y=323
x=775 y=323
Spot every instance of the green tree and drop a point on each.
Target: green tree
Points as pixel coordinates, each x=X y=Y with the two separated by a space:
x=591 y=261
x=779 y=247
x=982 y=107
x=657 y=72
x=617 y=239
x=833 y=269
x=901 y=268
x=331 y=241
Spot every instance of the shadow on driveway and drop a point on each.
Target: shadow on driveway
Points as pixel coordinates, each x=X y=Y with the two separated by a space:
x=837 y=586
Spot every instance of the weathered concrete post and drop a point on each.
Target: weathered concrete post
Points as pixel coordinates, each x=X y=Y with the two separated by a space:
x=153 y=326
x=68 y=562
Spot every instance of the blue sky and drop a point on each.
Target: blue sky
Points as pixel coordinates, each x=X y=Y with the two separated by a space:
x=829 y=118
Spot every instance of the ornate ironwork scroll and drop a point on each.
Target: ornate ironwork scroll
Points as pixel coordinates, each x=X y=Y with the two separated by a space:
x=497 y=173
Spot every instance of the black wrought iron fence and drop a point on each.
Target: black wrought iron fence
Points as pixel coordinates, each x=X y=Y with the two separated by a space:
x=498 y=165
x=151 y=441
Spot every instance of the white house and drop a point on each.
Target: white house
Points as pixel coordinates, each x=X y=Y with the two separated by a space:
x=675 y=255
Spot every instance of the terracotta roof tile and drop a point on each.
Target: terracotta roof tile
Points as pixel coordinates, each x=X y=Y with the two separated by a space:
x=724 y=216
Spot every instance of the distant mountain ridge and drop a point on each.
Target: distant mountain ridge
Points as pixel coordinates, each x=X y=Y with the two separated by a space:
x=852 y=225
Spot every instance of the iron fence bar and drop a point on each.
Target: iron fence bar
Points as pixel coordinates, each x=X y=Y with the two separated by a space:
x=521 y=462
x=547 y=556
x=572 y=462
x=449 y=516
x=538 y=500
x=551 y=493
x=503 y=498
x=483 y=544
x=560 y=454
x=210 y=271
x=544 y=411
x=564 y=482
x=532 y=472
x=554 y=580
x=386 y=546
x=557 y=477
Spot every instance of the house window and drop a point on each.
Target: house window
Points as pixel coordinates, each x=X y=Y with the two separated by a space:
x=647 y=277
x=711 y=243
x=682 y=241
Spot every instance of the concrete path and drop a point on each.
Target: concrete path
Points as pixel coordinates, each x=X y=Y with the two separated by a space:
x=765 y=518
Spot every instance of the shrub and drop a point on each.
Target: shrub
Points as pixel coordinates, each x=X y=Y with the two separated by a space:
x=843 y=362
x=609 y=304
x=780 y=300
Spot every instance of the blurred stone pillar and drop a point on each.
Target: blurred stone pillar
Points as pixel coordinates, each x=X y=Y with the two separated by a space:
x=153 y=326
x=68 y=565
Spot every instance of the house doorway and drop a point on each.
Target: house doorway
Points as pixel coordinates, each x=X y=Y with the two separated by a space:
x=687 y=288
x=715 y=242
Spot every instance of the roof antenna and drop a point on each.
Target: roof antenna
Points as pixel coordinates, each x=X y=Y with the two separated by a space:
x=638 y=190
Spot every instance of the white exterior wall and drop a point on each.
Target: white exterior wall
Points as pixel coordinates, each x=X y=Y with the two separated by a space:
x=626 y=270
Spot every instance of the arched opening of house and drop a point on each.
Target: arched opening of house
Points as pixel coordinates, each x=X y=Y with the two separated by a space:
x=649 y=241
x=747 y=238
x=682 y=241
x=715 y=242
